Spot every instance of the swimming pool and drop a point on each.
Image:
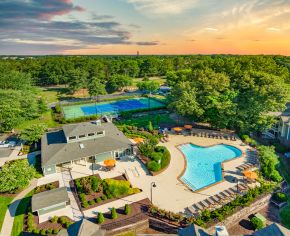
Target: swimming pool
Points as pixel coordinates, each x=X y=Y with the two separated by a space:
x=75 y=111
x=204 y=164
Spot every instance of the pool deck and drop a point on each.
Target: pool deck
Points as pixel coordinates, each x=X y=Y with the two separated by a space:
x=170 y=193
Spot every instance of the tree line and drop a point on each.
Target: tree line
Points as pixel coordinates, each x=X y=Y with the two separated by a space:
x=226 y=91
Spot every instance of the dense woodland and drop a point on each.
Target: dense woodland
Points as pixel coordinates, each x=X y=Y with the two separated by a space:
x=226 y=91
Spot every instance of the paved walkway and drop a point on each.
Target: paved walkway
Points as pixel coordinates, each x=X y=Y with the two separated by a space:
x=77 y=213
x=10 y=214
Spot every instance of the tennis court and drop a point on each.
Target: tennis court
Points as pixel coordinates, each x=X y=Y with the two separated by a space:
x=75 y=111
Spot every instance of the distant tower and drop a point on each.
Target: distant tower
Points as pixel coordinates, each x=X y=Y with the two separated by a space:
x=137 y=53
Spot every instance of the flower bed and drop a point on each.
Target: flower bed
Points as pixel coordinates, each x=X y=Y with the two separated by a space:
x=93 y=191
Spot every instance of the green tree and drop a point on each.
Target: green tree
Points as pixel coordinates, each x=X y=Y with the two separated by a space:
x=114 y=214
x=149 y=86
x=15 y=175
x=100 y=218
x=150 y=126
x=33 y=133
x=77 y=80
x=183 y=100
x=118 y=82
x=96 y=88
x=127 y=209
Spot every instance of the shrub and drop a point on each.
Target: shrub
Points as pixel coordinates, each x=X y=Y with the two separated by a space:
x=116 y=187
x=57 y=108
x=36 y=231
x=43 y=232
x=134 y=191
x=91 y=202
x=127 y=209
x=98 y=200
x=55 y=231
x=49 y=231
x=257 y=223
x=86 y=185
x=153 y=166
x=54 y=219
x=156 y=156
x=160 y=149
x=268 y=161
x=95 y=183
x=62 y=220
x=100 y=218
x=150 y=126
x=67 y=224
x=109 y=196
x=114 y=214
x=280 y=197
x=104 y=197
x=79 y=186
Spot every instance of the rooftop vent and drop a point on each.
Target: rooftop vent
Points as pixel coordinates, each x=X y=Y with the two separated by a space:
x=82 y=145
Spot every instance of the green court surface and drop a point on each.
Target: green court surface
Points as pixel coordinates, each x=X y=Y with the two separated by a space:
x=75 y=111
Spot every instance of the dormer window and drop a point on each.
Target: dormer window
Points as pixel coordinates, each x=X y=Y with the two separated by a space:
x=82 y=136
x=91 y=134
x=72 y=138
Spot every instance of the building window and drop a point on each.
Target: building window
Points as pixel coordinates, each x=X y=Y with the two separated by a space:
x=72 y=138
x=100 y=133
x=91 y=134
x=82 y=136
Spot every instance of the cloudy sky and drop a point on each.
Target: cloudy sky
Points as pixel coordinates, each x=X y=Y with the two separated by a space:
x=148 y=26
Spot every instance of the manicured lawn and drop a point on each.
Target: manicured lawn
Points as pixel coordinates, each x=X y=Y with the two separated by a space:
x=285 y=215
x=143 y=121
x=4 y=203
x=20 y=213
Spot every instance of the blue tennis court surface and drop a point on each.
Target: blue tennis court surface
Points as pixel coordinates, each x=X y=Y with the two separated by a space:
x=75 y=111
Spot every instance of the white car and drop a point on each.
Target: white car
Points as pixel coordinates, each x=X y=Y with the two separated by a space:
x=7 y=144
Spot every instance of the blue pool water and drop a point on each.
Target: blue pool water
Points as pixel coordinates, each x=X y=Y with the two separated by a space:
x=204 y=164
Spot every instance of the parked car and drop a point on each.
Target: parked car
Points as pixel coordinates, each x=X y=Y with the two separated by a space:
x=7 y=144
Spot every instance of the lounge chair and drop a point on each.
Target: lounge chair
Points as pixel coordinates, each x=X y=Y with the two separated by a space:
x=204 y=203
x=192 y=210
x=198 y=206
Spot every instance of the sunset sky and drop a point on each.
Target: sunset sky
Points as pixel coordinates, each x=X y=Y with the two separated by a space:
x=148 y=26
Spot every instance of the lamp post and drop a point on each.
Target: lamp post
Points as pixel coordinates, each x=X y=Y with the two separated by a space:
x=153 y=185
x=238 y=189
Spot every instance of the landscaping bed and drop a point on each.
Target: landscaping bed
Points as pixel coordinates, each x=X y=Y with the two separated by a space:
x=50 y=227
x=46 y=187
x=93 y=191
x=136 y=213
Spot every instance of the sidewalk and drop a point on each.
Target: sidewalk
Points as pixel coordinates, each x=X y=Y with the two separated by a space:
x=77 y=213
x=10 y=213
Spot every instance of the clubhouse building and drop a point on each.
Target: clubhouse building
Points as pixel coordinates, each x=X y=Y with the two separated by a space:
x=82 y=144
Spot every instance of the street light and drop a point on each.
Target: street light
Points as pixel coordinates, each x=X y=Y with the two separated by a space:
x=153 y=185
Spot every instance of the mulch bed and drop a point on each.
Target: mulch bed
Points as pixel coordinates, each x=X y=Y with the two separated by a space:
x=94 y=195
x=43 y=189
x=48 y=224
x=138 y=213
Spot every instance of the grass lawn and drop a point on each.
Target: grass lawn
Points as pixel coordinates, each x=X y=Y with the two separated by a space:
x=4 y=203
x=285 y=215
x=143 y=121
x=20 y=213
x=160 y=80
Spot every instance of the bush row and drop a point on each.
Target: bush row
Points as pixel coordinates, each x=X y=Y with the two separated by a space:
x=219 y=214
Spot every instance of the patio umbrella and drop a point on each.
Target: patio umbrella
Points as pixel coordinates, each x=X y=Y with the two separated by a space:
x=250 y=174
x=177 y=129
x=188 y=126
x=109 y=162
x=138 y=140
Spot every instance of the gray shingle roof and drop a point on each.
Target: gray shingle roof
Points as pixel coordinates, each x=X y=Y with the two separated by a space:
x=81 y=128
x=85 y=228
x=273 y=229
x=55 y=150
x=49 y=198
